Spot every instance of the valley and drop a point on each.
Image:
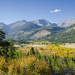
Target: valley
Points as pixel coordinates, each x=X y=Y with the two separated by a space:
x=29 y=44
x=41 y=30
x=37 y=37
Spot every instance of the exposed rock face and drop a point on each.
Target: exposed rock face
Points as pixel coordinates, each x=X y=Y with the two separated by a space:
x=66 y=23
x=43 y=22
x=40 y=34
x=69 y=30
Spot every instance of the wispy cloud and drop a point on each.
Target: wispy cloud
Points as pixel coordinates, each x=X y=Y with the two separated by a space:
x=56 y=10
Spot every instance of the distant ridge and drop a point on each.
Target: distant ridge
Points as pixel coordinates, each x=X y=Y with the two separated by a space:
x=17 y=24
x=66 y=23
x=40 y=30
x=65 y=36
x=43 y=22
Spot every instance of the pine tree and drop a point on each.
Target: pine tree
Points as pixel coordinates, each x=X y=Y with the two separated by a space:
x=32 y=52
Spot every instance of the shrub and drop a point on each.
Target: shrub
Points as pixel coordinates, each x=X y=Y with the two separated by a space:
x=30 y=65
x=32 y=52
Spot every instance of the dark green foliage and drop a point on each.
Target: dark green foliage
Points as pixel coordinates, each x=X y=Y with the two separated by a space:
x=44 y=57
x=2 y=35
x=6 y=47
x=60 y=64
x=11 y=52
x=32 y=52
x=37 y=54
x=19 y=54
x=4 y=43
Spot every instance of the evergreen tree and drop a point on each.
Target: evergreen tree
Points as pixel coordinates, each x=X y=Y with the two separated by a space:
x=32 y=52
x=2 y=35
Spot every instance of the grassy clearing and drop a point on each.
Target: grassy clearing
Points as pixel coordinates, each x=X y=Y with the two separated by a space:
x=40 y=59
x=67 y=45
x=50 y=50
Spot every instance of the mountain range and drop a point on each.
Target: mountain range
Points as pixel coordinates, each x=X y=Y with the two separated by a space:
x=66 y=23
x=38 y=30
x=67 y=35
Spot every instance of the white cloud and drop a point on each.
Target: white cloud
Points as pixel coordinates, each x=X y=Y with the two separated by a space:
x=56 y=10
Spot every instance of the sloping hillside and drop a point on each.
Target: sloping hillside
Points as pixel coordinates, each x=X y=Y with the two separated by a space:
x=66 y=23
x=43 y=22
x=67 y=35
x=4 y=27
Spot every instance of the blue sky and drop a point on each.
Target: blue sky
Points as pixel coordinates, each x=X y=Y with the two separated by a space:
x=30 y=10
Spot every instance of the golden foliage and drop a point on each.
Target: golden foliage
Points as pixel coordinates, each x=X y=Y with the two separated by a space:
x=26 y=66
x=61 y=51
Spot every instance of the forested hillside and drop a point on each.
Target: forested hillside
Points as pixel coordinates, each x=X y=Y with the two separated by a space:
x=67 y=35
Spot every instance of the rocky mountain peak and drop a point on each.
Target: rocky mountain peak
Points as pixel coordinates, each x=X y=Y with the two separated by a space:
x=66 y=23
x=42 y=22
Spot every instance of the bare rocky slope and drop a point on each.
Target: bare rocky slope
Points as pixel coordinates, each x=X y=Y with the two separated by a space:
x=66 y=23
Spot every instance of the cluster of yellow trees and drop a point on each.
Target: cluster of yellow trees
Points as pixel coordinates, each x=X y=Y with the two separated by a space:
x=30 y=65
x=59 y=59
x=61 y=51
